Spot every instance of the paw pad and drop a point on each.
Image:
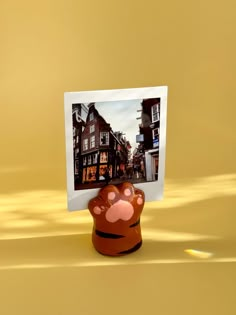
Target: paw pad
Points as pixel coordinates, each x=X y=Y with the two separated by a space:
x=117 y=202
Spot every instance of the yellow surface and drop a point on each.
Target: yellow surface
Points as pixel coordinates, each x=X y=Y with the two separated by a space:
x=187 y=264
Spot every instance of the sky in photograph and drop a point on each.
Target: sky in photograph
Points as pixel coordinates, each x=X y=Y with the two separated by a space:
x=121 y=115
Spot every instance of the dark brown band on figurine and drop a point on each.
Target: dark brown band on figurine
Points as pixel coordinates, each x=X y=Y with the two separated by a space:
x=116 y=212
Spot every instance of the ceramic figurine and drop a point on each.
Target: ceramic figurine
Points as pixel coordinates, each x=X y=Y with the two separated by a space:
x=116 y=212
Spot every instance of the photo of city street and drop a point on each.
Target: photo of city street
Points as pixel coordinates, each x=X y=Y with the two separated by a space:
x=115 y=141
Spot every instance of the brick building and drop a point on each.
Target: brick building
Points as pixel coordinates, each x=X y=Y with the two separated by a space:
x=148 y=149
x=123 y=153
x=101 y=148
x=79 y=116
x=150 y=124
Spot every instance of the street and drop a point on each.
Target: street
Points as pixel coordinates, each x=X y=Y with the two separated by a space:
x=113 y=181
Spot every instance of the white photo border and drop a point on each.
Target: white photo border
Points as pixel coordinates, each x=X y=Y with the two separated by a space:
x=78 y=199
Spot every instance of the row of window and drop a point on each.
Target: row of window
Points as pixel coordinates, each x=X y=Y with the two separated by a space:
x=90 y=143
x=93 y=158
x=89 y=173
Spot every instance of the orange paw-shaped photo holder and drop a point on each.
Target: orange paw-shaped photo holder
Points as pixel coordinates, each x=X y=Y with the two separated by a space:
x=116 y=213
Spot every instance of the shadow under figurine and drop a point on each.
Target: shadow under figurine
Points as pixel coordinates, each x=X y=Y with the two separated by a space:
x=116 y=212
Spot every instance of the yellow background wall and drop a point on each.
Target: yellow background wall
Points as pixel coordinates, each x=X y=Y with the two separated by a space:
x=49 y=47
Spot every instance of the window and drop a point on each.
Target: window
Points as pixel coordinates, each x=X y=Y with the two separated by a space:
x=76 y=152
x=103 y=157
x=104 y=138
x=155 y=113
x=76 y=167
x=91 y=116
x=91 y=173
x=89 y=160
x=92 y=128
x=95 y=158
x=155 y=136
x=155 y=133
x=84 y=160
x=92 y=142
x=85 y=144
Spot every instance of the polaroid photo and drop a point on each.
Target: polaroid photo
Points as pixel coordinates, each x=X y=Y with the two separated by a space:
x=114 y=136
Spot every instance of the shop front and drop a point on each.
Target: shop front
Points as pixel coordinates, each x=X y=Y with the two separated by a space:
x=151 y=164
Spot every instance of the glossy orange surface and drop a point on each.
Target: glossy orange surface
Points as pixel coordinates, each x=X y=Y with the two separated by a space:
x=116 y=212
